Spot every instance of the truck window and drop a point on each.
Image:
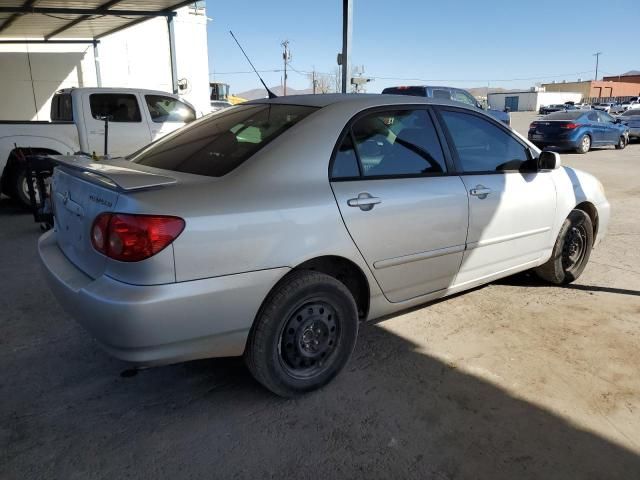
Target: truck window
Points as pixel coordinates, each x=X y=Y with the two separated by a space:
x=121 y=107
x=464 y=97
x=61 y=110
x=167 y=109
x=441 y=94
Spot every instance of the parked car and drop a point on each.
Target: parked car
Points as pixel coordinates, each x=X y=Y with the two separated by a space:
x=583 y=106
x=271 y=229
x=545 y=110
x=578 y=130
x=137 y=117
x=631 y=118
x=605 y=107
x=448 y=93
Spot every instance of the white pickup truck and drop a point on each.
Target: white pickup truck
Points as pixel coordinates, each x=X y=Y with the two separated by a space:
x=135 y=118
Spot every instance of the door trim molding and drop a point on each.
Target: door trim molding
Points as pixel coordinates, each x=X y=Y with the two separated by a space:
x=506 y=238
x=416 y=257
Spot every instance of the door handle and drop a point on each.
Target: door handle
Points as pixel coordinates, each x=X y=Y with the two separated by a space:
x=364 y=201
x=480 y=191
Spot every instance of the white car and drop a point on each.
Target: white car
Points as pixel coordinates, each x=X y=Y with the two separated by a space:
x=136 y=117
x=272 y=228
x=605 y=107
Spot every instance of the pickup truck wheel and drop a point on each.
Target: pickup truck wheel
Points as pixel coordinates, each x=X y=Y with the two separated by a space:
x=571 y=251
x=21 y=189
x=622 y=142
x=303 y=335
x=585 y=144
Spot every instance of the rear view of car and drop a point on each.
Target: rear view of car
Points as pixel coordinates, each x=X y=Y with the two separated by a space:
x=578 y=130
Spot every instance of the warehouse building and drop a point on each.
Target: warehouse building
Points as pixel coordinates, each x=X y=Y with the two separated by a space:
x=595 y=91
x=530 y=100
x=162 y=46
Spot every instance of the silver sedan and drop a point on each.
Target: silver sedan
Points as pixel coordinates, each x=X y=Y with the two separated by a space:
x=271 y=229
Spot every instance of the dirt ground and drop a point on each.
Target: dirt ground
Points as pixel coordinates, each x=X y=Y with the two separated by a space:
x=515 y=380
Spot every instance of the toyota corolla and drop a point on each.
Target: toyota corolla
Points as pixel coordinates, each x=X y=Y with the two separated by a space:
x=272 y=229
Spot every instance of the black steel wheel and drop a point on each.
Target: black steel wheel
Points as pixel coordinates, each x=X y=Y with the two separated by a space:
x=571 y=250
x=303 y=335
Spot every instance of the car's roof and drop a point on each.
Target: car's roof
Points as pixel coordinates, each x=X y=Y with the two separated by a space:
x=363 y=100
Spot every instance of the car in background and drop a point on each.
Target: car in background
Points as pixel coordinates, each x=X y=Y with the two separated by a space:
x=578 y=130
x=631 y=118
x=447 y=93
x=604 y=107
x=582 y=106
x=556 y=107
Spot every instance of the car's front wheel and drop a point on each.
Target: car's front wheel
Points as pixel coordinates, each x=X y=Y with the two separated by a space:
x=584 y=145
x=303 y=335
x=571 y=251
x=622 y=142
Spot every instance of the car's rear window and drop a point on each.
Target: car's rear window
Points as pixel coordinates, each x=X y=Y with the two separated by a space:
x=571 y=115
x=413 y=91
x=216 y=144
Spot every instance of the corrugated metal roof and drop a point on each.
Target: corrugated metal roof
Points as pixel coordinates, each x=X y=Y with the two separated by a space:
x=75 y=19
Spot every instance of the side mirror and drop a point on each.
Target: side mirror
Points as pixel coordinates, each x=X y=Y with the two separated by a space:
x=479 y=105
x=549 y=161
x=617 y=120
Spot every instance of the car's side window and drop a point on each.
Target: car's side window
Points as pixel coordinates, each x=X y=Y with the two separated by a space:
x=605 y=117
x=593 y=116
x=345 y=163
x=463 y=97
x=167 y=109
x=481 y=145
x=398 y=142
x=119 y=107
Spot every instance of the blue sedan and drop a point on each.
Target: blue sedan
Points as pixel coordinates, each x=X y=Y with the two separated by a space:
x=578 y=130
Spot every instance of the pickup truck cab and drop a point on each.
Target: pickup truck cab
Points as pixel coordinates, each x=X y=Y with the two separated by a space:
x=136 y=118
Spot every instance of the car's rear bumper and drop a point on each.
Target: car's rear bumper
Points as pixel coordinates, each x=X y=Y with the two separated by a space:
x=159 y=324
x=561 y=143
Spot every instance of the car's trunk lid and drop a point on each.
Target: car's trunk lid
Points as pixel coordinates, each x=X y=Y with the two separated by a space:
x=81 y=190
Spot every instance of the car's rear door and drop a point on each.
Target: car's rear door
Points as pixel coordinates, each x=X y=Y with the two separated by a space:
x=511 y=206
x=404 y=210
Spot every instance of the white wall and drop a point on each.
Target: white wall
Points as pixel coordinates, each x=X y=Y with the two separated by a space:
x=136 y=57
x=532 y=101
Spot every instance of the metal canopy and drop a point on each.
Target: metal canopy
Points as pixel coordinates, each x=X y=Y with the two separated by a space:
x=74 y=20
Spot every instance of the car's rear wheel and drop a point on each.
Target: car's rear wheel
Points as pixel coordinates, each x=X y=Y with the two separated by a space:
x=584 y=145
x=303 y=335
x=622 y=142
x=571 y=251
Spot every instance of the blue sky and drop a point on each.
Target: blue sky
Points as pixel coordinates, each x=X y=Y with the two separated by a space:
x=512 y=44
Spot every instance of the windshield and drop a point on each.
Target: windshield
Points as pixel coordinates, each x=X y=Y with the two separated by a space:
x=216 y=144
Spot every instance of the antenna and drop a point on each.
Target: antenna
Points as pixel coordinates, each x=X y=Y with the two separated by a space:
x=271 y=94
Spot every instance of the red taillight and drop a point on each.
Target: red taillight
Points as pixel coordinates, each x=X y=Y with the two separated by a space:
x=570 y=126
x=131 y=238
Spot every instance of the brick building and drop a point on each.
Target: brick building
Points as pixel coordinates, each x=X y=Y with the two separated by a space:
x=593 y=90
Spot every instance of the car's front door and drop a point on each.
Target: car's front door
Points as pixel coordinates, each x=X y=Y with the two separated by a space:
x=407 y=215
x=127 y=132
x=609 y=128
x=511 y=204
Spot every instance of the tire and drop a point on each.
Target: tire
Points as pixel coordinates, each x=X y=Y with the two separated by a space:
x=585 y=144
x=622 y=142
x=303 y=335
x=570 y=252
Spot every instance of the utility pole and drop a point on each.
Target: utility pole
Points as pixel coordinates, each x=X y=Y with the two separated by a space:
x=313 y=80
x=597 y=55
x=286 y=57
x=345 y=56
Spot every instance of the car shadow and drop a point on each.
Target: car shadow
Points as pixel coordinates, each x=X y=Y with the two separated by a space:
x=394 y=412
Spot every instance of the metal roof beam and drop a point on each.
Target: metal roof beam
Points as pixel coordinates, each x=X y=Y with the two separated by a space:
x=16 y=15
x=81 y=19
x=85 y=11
